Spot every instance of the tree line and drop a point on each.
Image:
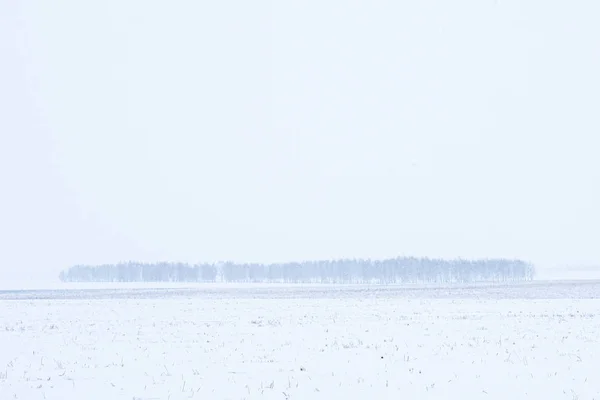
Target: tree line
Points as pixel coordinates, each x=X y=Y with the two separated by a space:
x=395 y=270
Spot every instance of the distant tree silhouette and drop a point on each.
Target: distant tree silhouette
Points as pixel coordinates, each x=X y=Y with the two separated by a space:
x=396 y=270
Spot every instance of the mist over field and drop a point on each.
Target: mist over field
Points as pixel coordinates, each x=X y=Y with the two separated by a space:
x=299 y=200
x=271 y=132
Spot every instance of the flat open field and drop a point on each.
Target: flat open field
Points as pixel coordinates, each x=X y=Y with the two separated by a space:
x=539 y=340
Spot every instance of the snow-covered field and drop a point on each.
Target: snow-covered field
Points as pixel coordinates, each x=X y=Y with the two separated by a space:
x=530 y=341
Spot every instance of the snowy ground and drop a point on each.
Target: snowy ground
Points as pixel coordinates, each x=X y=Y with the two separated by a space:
x=539 y=341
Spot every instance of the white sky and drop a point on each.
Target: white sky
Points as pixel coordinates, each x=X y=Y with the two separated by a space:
x=253 y=131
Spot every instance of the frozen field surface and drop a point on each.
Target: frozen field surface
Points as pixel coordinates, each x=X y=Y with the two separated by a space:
x=550 y=289
x=531 y=341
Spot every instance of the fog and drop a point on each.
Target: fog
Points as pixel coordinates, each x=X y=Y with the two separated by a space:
x=271 y=132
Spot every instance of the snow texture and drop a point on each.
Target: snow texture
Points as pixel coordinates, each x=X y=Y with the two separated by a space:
x=526 y=341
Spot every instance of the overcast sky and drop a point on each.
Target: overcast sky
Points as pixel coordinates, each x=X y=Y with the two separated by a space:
x=256 y=131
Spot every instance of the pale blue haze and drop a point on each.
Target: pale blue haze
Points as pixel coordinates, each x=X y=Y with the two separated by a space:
x=275 y=131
